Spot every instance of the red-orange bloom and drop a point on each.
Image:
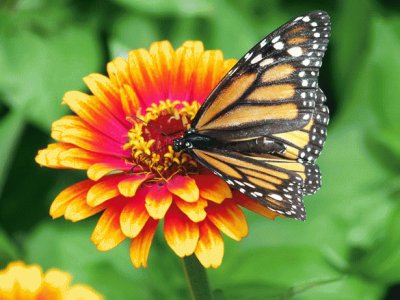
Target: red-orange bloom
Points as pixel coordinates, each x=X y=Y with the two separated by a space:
x=19 y=281
x=122 y=136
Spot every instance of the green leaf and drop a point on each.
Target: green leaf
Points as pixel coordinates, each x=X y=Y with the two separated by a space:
x=40 y=68
x=189 y=8
x=132 y=32
x=8 y=251
x=350 y=35
x=278 y=264
x=382 y=260
x=249 y=290
x=234 y=38
x=184 y=29
x=385 y=63
x=348 y=287
x=11 y=127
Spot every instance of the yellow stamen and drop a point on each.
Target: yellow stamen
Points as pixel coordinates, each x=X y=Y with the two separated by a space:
x=164 y=161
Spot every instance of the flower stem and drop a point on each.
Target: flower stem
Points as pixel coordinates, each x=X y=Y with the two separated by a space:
x=196 y=278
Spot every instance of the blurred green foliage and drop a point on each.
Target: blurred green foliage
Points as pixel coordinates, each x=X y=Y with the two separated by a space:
x=349 y=246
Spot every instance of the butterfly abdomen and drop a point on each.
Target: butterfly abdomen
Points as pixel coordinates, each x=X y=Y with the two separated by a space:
x=260 y=145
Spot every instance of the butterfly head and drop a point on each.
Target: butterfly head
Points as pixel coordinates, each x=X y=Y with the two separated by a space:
x=179 y=144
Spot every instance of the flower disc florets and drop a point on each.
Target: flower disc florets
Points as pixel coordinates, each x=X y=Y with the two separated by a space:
x=152 y=135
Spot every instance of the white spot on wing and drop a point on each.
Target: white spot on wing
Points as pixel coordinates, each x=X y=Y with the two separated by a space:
x=263 y=43
x=248 y=55
x=275 y=39
x=276 y=197
x=256 y=59
x=266 y=62
x=279 y=46
x=295 y=51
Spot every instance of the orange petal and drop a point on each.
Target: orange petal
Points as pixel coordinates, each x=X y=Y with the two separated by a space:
x=181 y=74
x=194 y=210
x=207 y=75
x=75 y=192
x=129 y=100
x=180 y=233
x=107 y=234
x=27 y=280
x=129 y=186
x=213 y=188
x=78 y=210
x=118 y=71
x=229 y=218
x=134 y=215
x=82 y=291
x=158 y=200
x=96 y=115
x=143 y=75
x=163 y=55
x=184 y=187
x=210 y=248
x=80 y=159
x=196 y=47
x=252 y=205
x=99 y=170
x=106 y=93
x=54 y=283
x=140 y=245
x=103 y=190
x=72 y=130
x=50 y=156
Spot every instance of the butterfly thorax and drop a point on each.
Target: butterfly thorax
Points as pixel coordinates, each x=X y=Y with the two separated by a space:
x=192 y=139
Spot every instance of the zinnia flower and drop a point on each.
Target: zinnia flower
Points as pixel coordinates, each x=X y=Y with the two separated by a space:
x=122 y=135
x=19 y=281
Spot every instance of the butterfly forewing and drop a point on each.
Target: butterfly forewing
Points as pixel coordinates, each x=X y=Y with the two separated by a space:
x=272 y=88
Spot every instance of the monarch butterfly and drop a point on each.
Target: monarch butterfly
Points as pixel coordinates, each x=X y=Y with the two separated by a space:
x=264 y=125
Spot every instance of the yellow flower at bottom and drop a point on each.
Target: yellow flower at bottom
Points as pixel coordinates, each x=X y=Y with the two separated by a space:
x=24 y=282
x=123 y=135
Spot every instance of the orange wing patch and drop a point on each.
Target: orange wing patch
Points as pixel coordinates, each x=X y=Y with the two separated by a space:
x=272 y=92
x=227 y=96
x=248 y=114
x=217 y=164
x=296 y=30
x=297 y=40
x=238 y=163
x=277 y=73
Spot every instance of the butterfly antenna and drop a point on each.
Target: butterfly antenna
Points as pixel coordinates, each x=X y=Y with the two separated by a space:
x=152 y=126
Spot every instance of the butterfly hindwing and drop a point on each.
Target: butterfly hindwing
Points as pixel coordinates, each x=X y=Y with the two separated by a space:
x=272 y=88
x=275 y=183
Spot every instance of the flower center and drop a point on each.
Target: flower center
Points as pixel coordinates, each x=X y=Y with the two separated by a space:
x=152 y=135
